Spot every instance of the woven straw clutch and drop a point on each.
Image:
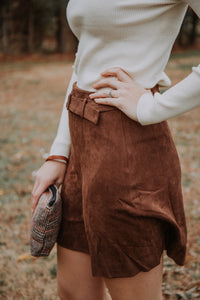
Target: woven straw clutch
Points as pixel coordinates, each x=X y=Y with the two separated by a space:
x=45 y=222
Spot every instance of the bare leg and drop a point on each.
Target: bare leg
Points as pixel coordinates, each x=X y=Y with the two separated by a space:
x=143 y=286
x=74 y=277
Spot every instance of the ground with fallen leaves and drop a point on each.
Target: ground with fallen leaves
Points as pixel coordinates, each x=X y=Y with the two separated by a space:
x=32 y=93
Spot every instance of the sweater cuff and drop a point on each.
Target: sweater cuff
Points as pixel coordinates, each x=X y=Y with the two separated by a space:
x=60 y=149
x=145 y=108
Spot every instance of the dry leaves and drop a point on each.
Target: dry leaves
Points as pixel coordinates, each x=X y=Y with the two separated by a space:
x=32 y=95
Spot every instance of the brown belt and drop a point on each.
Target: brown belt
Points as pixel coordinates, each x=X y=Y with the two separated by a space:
x=82 y=105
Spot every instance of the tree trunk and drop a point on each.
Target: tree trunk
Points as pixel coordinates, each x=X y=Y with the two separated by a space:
x=5 y=39
x=66 y=41
x=31 y=31
x=61 y=33
x=72 y=41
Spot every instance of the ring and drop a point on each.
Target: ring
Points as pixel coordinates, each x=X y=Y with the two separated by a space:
x=110 y=94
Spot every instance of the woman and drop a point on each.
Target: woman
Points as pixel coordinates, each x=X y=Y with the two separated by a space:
x=121 y=192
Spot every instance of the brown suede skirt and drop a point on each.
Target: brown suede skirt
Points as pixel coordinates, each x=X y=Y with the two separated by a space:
x=122 y=198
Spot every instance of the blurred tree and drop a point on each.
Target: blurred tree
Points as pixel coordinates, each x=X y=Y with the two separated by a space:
x=22 y=25
x=66 y=41
x=36 y=23
x=189 y=29
x=25 y=24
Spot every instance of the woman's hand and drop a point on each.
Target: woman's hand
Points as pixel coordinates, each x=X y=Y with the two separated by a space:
x=51 y=172
x=125 y=92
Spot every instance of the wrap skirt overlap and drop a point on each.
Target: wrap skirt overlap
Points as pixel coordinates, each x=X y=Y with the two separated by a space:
x=122 y=197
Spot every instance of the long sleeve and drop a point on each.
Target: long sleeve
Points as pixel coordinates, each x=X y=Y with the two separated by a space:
x=62 y=141
x=180 y=98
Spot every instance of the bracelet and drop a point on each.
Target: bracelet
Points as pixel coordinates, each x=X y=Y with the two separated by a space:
x=59 y=158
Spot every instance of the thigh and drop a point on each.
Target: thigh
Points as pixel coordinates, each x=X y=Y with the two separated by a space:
x=74 y=277
x=143 y=286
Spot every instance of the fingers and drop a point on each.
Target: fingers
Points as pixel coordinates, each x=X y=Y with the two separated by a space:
x=108 y=101
x=51 y=172
x=37 y=191
x=107 y=82
x=116 y=82
x=119 y=73
x=103 y=94
x=57 y=184
x=100 y=94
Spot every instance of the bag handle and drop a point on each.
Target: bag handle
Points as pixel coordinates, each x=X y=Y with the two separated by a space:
x=53 y=189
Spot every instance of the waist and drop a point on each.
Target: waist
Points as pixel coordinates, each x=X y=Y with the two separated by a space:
x=76 y=88
x=82 y=105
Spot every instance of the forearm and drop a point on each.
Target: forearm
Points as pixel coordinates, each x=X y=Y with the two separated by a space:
x=181 y=98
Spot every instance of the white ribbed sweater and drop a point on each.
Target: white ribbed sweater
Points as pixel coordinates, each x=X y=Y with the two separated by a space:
x=136 y=35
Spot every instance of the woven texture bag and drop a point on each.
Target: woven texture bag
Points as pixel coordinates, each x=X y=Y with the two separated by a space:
x=45 y=222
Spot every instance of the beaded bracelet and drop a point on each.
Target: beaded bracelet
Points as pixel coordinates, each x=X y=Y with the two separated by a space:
x=59 y=158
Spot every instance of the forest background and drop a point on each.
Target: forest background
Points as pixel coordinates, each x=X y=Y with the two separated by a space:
x=41 y=26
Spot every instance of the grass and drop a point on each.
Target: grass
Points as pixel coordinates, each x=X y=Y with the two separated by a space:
x=32 y=93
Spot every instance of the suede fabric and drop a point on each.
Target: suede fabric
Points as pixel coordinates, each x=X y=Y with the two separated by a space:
x=121 y=195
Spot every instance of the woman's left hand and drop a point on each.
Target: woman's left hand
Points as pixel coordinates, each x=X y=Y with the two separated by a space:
x=125 y=92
